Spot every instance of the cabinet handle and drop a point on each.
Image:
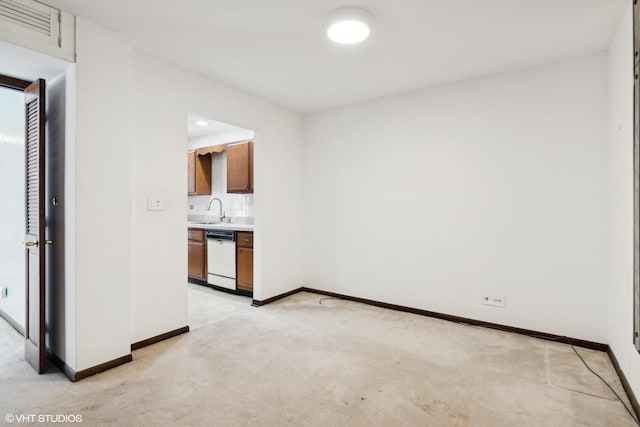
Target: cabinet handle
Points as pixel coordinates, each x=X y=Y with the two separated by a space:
x=246 y=240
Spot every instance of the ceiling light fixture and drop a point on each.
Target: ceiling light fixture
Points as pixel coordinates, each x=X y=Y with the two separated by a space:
x=349 y=25
x=201 y=122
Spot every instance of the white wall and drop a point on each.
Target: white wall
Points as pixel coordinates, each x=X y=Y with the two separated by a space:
x=620 y=156
x=12 y=213
x=162 y=97
x=103 y=195
x=495 y=185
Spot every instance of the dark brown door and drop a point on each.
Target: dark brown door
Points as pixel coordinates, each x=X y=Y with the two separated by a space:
x=35 y=225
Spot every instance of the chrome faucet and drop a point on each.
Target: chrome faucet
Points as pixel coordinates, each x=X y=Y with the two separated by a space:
x=222 y=214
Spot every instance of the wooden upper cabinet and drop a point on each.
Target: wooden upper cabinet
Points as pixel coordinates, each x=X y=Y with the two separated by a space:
x=240 y=167
x=199 y=174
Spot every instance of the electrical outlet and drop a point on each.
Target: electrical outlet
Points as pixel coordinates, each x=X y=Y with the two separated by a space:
x=494 y=300
x=4 y=292
x=155 y=203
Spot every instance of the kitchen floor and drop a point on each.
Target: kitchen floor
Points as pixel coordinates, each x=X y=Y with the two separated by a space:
x=207 y=306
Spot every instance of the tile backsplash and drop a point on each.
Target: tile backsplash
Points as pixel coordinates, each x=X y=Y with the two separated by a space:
x=234 y=205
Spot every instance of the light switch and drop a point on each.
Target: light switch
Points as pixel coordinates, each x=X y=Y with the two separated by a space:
x=155 y=203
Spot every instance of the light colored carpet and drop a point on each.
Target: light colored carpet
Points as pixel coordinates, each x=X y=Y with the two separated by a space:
x=300 y=363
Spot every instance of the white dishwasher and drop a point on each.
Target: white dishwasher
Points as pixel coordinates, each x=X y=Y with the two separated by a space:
x=221 y=258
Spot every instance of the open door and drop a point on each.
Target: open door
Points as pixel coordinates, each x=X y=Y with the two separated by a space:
x=35 y=225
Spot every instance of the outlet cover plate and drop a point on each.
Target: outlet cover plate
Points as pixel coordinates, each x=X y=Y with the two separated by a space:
x=155 y=203
x=494 y=300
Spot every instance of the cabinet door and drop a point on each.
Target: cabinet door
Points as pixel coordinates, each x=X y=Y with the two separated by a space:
x=244 y=239
x=198 y=260
x=239 y=173
x=198 y=173
x=191 y=172
x=251 y=167
x=245 y=269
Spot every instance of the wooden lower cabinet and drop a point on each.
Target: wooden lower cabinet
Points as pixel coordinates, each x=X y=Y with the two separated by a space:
x=244 y=257
x=197 y=254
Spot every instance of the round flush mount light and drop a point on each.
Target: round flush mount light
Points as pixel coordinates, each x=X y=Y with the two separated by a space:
x=201 y=122
x=349 y=25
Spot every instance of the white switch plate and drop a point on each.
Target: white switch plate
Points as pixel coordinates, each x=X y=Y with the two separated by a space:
x=494 y=300
x=155 y=203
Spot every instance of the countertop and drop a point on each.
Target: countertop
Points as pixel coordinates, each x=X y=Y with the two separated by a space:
x=220 y=226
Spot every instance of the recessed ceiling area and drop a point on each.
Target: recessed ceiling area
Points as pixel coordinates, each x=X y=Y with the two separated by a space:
x=278 y=50
x=201 y=126
x=27 y=64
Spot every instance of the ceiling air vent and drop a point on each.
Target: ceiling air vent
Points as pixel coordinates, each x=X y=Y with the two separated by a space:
x=31 y=19
x=37 y=26
x=30 y=16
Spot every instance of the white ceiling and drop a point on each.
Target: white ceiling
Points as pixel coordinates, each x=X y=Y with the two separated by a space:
x=213 y=126
x=277 y=49
x=27 y=64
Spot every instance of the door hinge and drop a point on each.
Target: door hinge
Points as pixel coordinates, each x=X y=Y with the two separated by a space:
x=59 y=16
x=59 y=41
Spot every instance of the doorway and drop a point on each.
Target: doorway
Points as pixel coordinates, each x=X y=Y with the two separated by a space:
x=12 y=208
x=220 y=218
x=21 y=68
x=29 y=222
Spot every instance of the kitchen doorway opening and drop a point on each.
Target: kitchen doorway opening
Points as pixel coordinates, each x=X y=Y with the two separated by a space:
x=220 y=218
